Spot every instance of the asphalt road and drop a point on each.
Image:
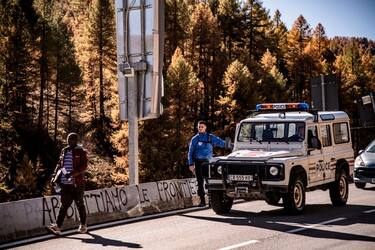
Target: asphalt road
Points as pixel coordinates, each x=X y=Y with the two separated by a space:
x=250 y=225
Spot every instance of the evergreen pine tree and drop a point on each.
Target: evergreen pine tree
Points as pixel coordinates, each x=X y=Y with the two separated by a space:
x=100 y=38
x=319 y=39
x=240 y=94
x=273 y=82
x=278 y=36
x=229 y=20
x=177 y=15
x=256 y=28
x=165 y=155
x=15 y=84
x=98 y=60
x=298 y=38
x=202 y=44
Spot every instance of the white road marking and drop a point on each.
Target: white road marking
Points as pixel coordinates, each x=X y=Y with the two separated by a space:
x=240 y=245
x=315 y=225
x=369 y=211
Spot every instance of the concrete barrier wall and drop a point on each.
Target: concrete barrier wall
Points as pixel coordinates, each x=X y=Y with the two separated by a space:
x=27 y=218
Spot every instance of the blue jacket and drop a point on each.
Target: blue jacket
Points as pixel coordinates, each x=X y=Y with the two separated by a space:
x=201 y=146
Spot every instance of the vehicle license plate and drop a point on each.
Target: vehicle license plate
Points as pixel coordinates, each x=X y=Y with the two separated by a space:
x=373 y=180
x=237 y=177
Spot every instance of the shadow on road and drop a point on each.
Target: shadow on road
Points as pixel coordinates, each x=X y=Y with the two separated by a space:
x=278 y=220
x=99 y=240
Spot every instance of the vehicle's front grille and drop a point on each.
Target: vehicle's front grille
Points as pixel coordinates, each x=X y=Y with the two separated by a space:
x=366 y=172
x=242 y=169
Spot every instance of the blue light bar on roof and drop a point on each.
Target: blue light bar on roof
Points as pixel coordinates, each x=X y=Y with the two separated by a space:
x=297 y=106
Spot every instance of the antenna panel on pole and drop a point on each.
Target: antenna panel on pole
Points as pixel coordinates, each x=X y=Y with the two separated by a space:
x=140 y=49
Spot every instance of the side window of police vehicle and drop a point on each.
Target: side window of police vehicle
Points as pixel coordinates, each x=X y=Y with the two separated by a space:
x=341 y=132
x=325 y=134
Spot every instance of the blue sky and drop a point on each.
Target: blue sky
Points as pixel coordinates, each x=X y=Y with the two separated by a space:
x=339 y=17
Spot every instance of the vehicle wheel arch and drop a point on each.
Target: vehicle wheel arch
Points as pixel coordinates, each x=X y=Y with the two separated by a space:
x=341 y=164
x=298 y=170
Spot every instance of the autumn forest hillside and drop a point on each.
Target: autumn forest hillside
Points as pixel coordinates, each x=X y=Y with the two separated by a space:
x=58 y=74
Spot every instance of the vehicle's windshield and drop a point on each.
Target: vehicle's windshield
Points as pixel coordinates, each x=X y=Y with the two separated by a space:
x=268 y=131
x=371 y=148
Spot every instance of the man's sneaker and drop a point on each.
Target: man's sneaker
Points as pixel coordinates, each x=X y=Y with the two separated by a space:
x=53 y=228
x=82 y=229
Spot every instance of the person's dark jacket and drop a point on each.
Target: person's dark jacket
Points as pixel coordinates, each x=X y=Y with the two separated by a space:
x=79 y=155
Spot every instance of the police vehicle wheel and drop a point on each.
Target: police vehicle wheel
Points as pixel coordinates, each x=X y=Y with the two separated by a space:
x=294 y=200
x=339 y=190
x=272 y=198
x=220 y=203
x=361 y=185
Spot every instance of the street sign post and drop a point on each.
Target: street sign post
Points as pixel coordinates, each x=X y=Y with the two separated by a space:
x=324 y=93
x=140 y=43
x=366 y=109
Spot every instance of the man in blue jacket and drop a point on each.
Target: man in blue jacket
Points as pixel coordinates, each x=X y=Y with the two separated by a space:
x=200 y=152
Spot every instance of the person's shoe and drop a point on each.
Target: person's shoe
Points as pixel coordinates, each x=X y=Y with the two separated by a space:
x=202 y=204
x=53 y=228
x=82 y=229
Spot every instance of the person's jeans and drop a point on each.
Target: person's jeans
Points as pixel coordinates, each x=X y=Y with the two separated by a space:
x=70 y=193
x=201 y=172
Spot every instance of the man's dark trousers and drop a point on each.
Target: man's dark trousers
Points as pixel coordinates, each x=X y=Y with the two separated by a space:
x=201 y=171
x=70 y=193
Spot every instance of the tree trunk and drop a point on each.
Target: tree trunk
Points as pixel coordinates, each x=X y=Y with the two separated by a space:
x=101 y=83
x=43 y=69
x=70 y=103
x=251 y=36
x=56 y=97
x=178 y=134
x=48 y=104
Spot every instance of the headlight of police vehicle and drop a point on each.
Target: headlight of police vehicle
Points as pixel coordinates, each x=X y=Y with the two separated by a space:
x=274 y=170
x=219 y=170
x=359 y=162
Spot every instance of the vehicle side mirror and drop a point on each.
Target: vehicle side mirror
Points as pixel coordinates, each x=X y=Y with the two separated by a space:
x=315 y=143
x=360 y=151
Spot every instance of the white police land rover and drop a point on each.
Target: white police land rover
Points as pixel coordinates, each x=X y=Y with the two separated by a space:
x=282 y=152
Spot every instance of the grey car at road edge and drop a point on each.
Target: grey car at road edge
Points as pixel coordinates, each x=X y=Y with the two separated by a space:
x=364 y=170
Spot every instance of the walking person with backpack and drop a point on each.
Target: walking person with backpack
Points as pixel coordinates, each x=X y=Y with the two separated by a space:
x=69 y=174
x=200 y=152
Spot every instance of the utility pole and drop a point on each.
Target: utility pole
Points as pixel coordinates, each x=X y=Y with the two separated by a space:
x=323 y=93
x=133 y=131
